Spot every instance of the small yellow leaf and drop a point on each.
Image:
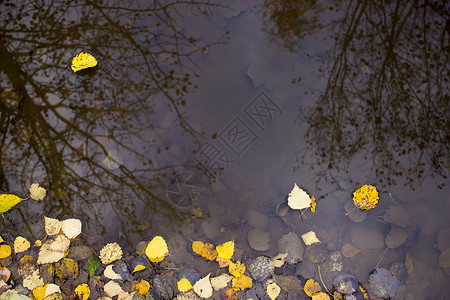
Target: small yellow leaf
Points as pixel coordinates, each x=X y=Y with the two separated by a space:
x=242 y=283
x=83 y=292
x=5 y=251
x=26 y=258
x=311 y=287
x=21 y=244
x=38 y=243
x=157 y=249
x=313 y=204
x=142 y=287
x=138 y=268
x=273 y=290
x=320 y=296
x=83 y=61
x=7 y=201
x=236 y=269
x=39 y=292
x=225 y=250
x=366 y=197
x=110 y=253
x=205 y=250
x=184 y=285
x=37 y=192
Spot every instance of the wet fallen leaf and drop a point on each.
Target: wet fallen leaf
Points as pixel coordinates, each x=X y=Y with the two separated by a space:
x=225 y=250
x=229 y=294
x=13 y=295
x=110 y=253
x=310 y=238
x=298 y=198
x=205 y=250
x=157 y=249
x=83 y=291
x=53 y=250
x=66 y=269
x=236 y=269
x=241 y=283
x=83 y=61
x=273 y=290
x=33 y=280
x=5 y=251
x=37 y=192
x=279 y=260
x=313 y=204
x=52 y=226
x=39 y=292
x=112 y=288
x=223 y=262
x=311 y=287
x=7 y=201
x=94 y=264
x=21 y=244
x=203 y=287
x=51 y=289
x=142 y=287
x=71 y=228
x=220 y=281
x=320 y=296
x=110 y=274
x=366 y=197
x=184 y=285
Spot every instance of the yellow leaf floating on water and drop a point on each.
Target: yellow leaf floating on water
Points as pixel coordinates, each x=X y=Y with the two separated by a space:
x=5 y=251
x=53 y=250
x=203 y=287
x=226 y=250
x=7 y=201
x=110 y=253
x=37 y=192
x=313 y=204
x=311 y=287
x=83 y=61
x=71 y=228
x=157 y=249
x=205 y=250
x=83 y=292
x=52 y=226
x=241 y=283
x=184 y=285
x=320 y=296
x=273 y=290
x=366 y=197
x=21 y=244
x=142 y=287
x=236 y=269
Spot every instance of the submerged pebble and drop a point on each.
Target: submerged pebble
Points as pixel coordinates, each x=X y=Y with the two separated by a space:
x=261 y=268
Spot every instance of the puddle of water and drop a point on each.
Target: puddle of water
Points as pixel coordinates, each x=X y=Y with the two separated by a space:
x=225 y=109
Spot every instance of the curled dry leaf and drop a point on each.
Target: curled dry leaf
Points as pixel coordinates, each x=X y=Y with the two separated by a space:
x=110 y=253
x=71 y=228
x=37 y=192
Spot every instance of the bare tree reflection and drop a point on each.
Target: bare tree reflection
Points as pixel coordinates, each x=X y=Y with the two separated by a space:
x=72 y=132
x=386 y=100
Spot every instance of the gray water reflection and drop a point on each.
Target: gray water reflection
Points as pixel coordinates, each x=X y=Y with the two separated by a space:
x=115 y=144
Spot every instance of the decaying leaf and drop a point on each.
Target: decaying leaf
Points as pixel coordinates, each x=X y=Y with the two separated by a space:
x=220 y=281
x=298 y=198
x=33 y=281
x=203 y=287
x=5 y=274
x=13 y=295
x=83 y=61
x=52 y=226
x=37 y=192
x=311 y=287
x=236 y=269
x=320 y=296
x=223 y=262
x=51 y=289
x=110 y=253
x=66 y=269
x=310 y=238
x=7 y=201
x=366 y=197
x=313 y=204
x=39 y=292
x=229 y=294
x=71 y=228
x=205 y=250
x=53 y=250
x=21 y=244
x=279 y=260
x=225 y=250
x=241 y=283
x=184 y=285
x=83 y=291
x=157 y=249
x=273 y=290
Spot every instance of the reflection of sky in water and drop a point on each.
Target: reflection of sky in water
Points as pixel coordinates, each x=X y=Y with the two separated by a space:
x=130 y=123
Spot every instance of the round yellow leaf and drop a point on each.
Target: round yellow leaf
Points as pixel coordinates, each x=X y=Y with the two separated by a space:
x=225 y=250
x=66 y=269
x=320 y=296
x=5 y=251
x=311 y=287
x=366 y=197
x=83 y=61
x=236 y=269
x=21 y=244
x=205 y=250
x=110 y=253
x=241 y=283
x=157 y=249
x=184 y=285
x=83 y=291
